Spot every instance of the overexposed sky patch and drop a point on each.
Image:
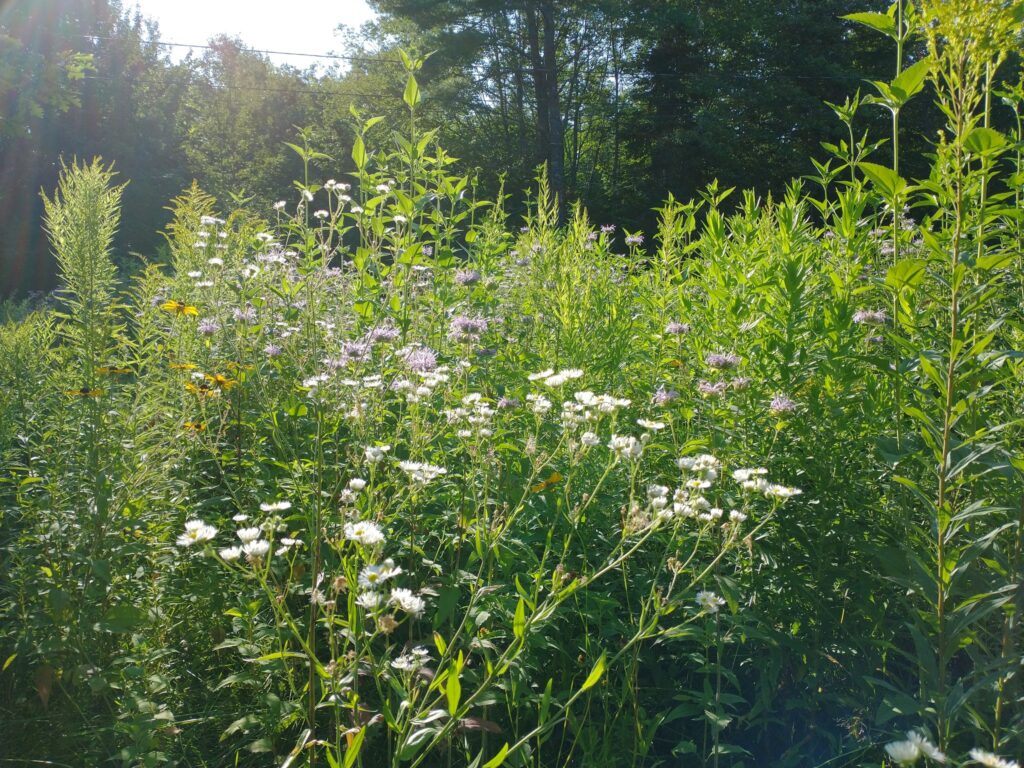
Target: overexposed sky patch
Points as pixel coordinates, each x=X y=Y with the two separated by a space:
x=304 y=26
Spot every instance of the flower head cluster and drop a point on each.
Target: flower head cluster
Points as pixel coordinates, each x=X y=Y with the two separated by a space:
x=626 y=447
x=722 y=360
x=551 y=379
x=677 y=328
x=421 y=473
x=196 y=532
x=465 y=329
x=473 y=416
x=467 y=277
x=709 y=601
x=364 y=532
x=408 y=601
x=781 y=404
x=373 y=576
x=870 y=317
x=992 y=761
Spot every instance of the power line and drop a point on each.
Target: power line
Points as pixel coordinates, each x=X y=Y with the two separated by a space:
x=483 y=68
x=336 y=56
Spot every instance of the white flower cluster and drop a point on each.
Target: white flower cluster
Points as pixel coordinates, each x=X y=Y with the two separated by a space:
x=754 y=480
x=374 y=454
x=429 y=381
x=709 y=601
x=913 y=749
x=626 y=447
x=474 y=415
x=551 y=379
x=586 y=408
x=992 y=761
x=409 y=662
x=421 y=473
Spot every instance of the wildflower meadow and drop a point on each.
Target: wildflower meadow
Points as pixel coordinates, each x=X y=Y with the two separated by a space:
x=383 y=476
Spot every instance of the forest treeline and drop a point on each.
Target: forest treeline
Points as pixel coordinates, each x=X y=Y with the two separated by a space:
x=625 y=101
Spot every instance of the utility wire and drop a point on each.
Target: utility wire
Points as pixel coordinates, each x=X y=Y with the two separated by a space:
x=485 y=68
x=339 y=57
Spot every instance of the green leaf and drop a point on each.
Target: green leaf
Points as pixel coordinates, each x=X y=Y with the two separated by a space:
x=353 y=749
x=886 y=179
x=412 y=92
x=453 y=688
x=498 y=759
x=910 y=81
x=12 y=657
x=359 y=153
x=519 y=622
x=595 y=674
x=879 y=22
x=982 y=141
x=908 y=273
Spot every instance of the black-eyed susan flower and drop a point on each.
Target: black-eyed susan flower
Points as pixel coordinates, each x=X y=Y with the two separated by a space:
x=179 y=308
x=84 y=392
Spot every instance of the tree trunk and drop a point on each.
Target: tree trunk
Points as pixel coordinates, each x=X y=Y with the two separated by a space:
x=556 y=128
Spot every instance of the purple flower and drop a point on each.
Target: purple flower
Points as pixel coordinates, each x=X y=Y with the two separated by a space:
x=467 y=277
x=382 y=333
x=420 y=359
x=523 y=262
x=591 y=236
x=636 y=239
x=208 y=327
x=508 y=402
x=664 y=396
x=272 y=350
x=608 y=229
x=708 y=389
x=781 y=404
x=464 y=328
x=355 y=350
x=427 y=250
x=721 y=360
x=246 y=315
x=677 y=329
x=871 y=317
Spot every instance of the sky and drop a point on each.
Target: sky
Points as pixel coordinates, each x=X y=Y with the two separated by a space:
x=304 y=26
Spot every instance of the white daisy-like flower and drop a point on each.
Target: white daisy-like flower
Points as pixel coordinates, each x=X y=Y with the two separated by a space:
x=369 y=600
x=626 y=446
x=374 y=575
x=735 y=516
x=743 y=475
x=926 y=747
x=408 y=601
x=258 y=548
x=365 y=532
x=357 y=484
x=279 y=205
x=403 y=663
x=248 y=534
x=240 y=518
x=375 y=453
x=781 y=491
x=653 y=426
x=542 y=375
x=230 y=553
x=903 y=752
x=196 y=532
x=276 y=506
x=590 y=439
x=992 y=761
x=709 y=601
